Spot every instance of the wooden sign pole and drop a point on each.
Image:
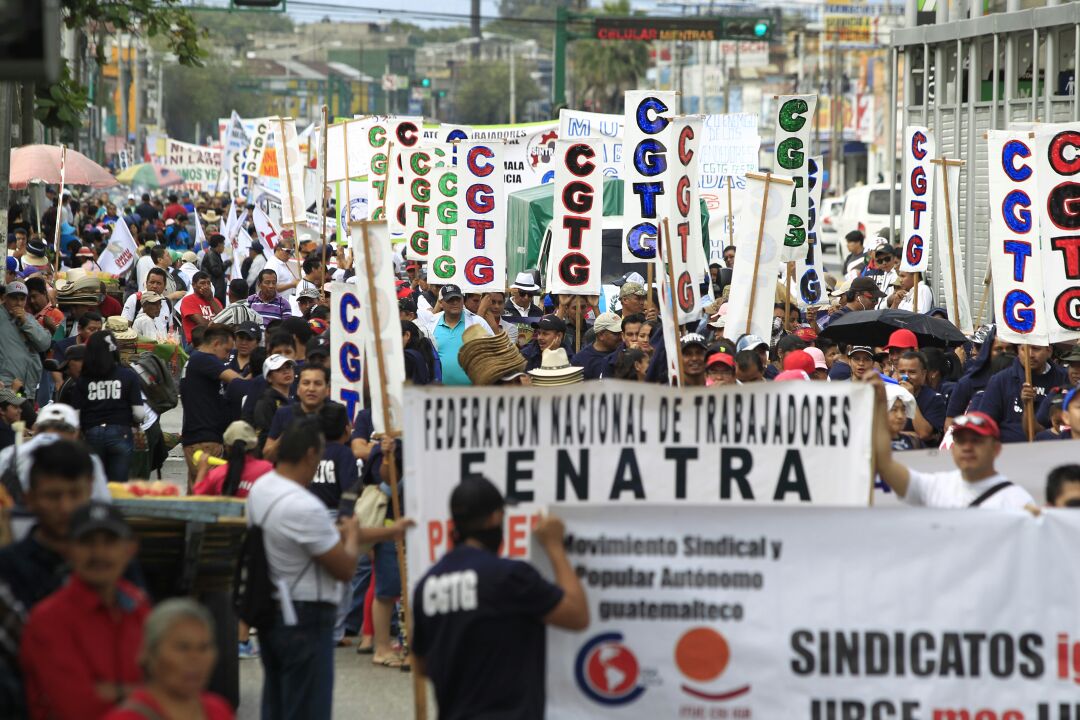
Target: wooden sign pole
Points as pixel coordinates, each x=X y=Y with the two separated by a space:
x=1029 y=405
x=945 y=164
x=649 y=277
x=987 y=279
x=322 y=199
x=730 y=214
x=757 y=251
x=787 y=294
x=915 y=293
x=289 y=199
x=671 y=298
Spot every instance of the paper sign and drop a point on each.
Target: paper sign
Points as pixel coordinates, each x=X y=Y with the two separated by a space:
x=380 y=133
x=1058 y=160
x=648 y=142
x=347 y=348
x=442 y=247
x=417 y=165
x=918 y=209
x=794 y=121
x=481 y=223
x=809 y=272
x=577 y=215
x=346 y=151
x=682 y=218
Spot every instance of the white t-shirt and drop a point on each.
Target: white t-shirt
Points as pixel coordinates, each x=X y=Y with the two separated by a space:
x=950 y=490
x=297 y=530
x=133 y=312
x=926 y=300
x=99 y=489
x=284 y=274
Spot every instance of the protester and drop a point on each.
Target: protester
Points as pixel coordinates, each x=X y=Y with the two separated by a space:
x=80 y=647
x=1063 y=487
x=755 y=344
x=247 y=335
x=205 y=412
x=312 y=393
x=902 y=296
x=447 y=329
x=902 y=411
x=596 y=359
x=694 y=349
x=929 y=421
x=253 y=264
x=267 y=302
x=337 y=469
x=1058 y=427
x=279 y=372
x=720 y=369
x=520 y=304
x=11 y=410
x=285 y=269
x=215 y=265
x=975 y=482
x=549 y=334
x=862 y=362
x=1008 y=393
x=505 y=602
x=749 y=367
x=856 y=258
x=146 y=324
x=198 y=308
x=177 y=655
x=234 y=477
x=22 y=340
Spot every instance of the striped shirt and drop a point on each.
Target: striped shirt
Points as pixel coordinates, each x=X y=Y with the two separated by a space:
x=270 y=310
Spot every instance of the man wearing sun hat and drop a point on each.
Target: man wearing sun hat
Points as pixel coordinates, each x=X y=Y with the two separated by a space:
x=974 y=483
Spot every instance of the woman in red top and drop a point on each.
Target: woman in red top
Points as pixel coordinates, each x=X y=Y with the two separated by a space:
x=235 y=478
x=178 y=655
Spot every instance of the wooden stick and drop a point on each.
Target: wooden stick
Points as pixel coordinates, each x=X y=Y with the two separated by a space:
x=289 y=200
x=419 y=688
x=577 y=322
x=1029 y=405
x=674 y=307
x=949 y=237
x=768 y=178
x=787 y=294
x=348 y=198
x=730 y=214
x=987 y=279
x=59 y=207
x=322 y=200
x=649 y=272
x=915 y=294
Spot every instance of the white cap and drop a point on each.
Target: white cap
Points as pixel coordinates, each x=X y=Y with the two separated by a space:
x=275 y=362
x=58 y=413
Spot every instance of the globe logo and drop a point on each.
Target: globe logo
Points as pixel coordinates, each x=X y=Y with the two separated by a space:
x=607 y=671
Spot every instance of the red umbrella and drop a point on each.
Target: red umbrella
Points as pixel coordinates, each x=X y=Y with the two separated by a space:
x=41 y=163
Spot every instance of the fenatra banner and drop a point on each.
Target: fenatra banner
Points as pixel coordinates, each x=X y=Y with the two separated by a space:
x=785 y=613
x=627 y=443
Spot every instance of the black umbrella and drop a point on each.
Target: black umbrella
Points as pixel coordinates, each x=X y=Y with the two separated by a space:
x=873 y=327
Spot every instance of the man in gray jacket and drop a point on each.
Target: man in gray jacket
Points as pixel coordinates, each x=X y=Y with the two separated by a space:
x=22 y=339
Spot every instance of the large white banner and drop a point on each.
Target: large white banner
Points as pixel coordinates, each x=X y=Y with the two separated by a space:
x=346 y=347
x=781 y=613
x=481 y=222
x=794 y=121
x=417 y=166
x=1058 y=151
x=197 y=164
x=628 y=443
x=951 y=262
x=382 y=341
x=809 y=270
x=291 y=172
x=749 y=244
x=682 y=218
x=918 y=150
x=1015 y=250
x=576 y=253
x=528 y=149
x=646 y=175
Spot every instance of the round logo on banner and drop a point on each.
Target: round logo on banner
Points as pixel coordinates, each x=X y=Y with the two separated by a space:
x=607 y=671
x=702 y=654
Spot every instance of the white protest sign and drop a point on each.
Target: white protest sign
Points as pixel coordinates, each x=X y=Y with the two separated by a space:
x=121 y=252
x=750 y=309
x=346 y=348
x=481 y=224
x=794 y=121
x=346 y=151
x=417 y=166
x=234 y=140
x=197 y=164
x=729 y=149
x=528 y=149
x=951 y=260
x=397 y=192
x=380 y=133
x=375 y=289
x=607 y=129
x=625 y=443
x=918 y=209
x=1015 y=250
x=777 y=612
x=291 y=172
x=442 y=246
x=1058 y=151
x=682 y=218
x=246 y=164
x=809 y=272
x=648 y=140
x=576 y=248
x=241 y=247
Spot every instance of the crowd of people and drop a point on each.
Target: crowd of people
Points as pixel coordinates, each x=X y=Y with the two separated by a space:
x=247 y=350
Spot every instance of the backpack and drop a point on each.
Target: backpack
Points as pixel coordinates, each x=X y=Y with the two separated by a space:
x=156 y=381
x=253 y=591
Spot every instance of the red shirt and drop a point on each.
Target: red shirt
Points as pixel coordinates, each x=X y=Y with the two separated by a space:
x=171 y=211
x=214 y=707
x=110 y=307
x=72 y=642
x=194 y=305
x=215 y=478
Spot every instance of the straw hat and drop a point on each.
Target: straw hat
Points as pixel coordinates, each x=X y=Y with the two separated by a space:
x=121 y=329
x=487 y=358
x=555 y=370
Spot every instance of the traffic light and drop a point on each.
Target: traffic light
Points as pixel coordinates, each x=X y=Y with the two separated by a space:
x=752 y=27
x=426 y=82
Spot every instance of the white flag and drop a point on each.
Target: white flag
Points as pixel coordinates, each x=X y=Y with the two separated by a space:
x=267 y=234
x=120 y=254
x=290 y=172
x=951 y=264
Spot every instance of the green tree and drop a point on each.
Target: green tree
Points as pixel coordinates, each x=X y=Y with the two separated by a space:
x=199 y=96
x=602 y=70
x=482 y=93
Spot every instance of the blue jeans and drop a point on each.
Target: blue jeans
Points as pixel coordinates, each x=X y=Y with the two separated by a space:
x=114 y=445
x=298 y=665
x=350 y=617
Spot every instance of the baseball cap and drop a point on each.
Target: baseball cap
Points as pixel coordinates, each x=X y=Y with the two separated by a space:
x=819 y=358
x=85 y=252
x=790 y=343
x=250 y=328
x=275 y=362
x=15 y=288
x=720 y=359
x=806 y=333
x=902 y=339
x=406 y=305
x=151 y=297
x=792 y=375
x=860 y=348
x=240 y=431
x=73 y=352
x=310 y=293
x=473 y=500
x=451 y=291
x=7 y=397
x=1072 y=356
x=694 y=339
x=58 y=414
x=865 y=284
x=318 y=345
x=800 y=360
x=12 y=264
x=1069 y=398
x=750 y=342
x=634 y=277
x=978 y=423
x=412 y=265
x=632 y=288
x=190 y=257
x=97 y=515
x=553 y=323
x=608 y=321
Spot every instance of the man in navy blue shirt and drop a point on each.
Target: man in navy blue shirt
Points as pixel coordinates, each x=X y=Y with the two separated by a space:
x=1007 y=391
x=202 y=393
x=473 y=595
x=596 y=358
x=929 y=422
x=312 y=393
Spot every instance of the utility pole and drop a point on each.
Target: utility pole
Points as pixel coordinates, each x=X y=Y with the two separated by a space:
x=474 y=23
x=558 y=72
x=7 y=103
x=513 y=87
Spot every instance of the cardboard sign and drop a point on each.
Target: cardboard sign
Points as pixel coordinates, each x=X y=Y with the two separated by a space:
x=576 y=226
x=1056 y=148
x=648 y=140
x=419 y=221
x=397 y=192
x=794 y=121
x=444 y=202
x=346 y=348
x=682 y=215
x=606 y=129
x=809 y=272
x=346 y=151
x=481 y=222
x=1015 y=249
x=246 y=164
x=380 y=133
x=919 y=149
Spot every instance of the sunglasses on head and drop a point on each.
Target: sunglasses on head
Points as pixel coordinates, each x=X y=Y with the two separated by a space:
x=969 y=421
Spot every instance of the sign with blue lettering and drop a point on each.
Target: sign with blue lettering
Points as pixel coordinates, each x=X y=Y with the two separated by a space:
x=346 y=348
x=647 y=141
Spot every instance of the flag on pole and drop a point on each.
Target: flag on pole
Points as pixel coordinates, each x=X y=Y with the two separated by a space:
x=119 y=255
x=267 y=234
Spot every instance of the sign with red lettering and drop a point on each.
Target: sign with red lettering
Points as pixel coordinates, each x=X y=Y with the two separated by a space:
x=397 y=192
x=380 y=133
x=1057 y=149
x=918 y=198
x=646 y=140
x=576 y=232
x=417 y=166
x=481 y=220
x=1015 y=251
x=682 y=216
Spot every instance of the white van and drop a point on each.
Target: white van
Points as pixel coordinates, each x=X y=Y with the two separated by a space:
x=866 y=208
